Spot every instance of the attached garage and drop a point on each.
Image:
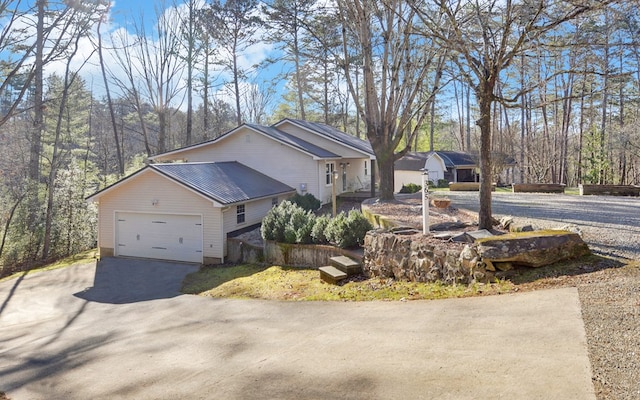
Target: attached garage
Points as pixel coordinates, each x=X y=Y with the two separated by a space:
x=161 y=236
x=183 y=211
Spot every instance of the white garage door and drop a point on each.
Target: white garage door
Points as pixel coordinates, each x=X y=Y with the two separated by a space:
x=160 y=236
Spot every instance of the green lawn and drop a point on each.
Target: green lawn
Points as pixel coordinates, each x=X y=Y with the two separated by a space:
x=285 y=283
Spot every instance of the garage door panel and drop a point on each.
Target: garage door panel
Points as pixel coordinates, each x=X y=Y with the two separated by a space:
x=168 y=237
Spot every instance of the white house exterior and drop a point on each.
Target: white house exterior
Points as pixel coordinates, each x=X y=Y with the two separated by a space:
x=410 y=168
x=452 y=166
x=185 y=204
x=183 y=212
x=300 y=154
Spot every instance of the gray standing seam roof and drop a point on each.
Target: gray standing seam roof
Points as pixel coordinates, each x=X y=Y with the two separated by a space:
x=225 y=182
x=294 y=141
x=335 y=134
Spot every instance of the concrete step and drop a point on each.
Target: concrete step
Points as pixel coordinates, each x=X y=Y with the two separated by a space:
x=346 y=265
x=331 y=274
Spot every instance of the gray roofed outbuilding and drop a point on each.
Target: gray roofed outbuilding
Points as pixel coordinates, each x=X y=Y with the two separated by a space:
x=226 y=182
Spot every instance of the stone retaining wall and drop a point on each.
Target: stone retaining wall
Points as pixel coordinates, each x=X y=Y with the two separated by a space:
x=420 y=259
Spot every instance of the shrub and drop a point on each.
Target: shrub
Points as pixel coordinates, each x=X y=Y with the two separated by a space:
x=410 y=188
x=348 y=230
x=443 y=183
x=307 y=202
x=298 y=227
x=288 y=223
x=318 y=232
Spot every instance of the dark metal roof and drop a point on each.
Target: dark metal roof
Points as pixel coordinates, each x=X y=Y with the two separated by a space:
x=412 y=161
x=457 y=158
x=334 y=134
x=294 y=141
x=225 y=182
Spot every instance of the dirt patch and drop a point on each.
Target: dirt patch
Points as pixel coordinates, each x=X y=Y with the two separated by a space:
x=408 y=212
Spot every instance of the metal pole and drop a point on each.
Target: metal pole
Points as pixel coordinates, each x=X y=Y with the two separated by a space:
x=425 y=202
x=334 y=177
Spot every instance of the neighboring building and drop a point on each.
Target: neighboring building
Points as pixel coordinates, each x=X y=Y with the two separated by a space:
x=452 y=166
x=185 y=205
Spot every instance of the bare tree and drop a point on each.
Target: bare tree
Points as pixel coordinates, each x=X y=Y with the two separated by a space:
x=485 y=37
x=399 y=73
x=233 y=25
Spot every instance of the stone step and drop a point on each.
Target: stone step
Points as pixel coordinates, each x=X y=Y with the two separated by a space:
x=347 y=265
x=331 y=274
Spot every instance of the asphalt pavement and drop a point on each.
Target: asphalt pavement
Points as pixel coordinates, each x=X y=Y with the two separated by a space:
x=122 y=331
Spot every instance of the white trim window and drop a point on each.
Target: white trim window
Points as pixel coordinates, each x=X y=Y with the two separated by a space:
x=240 y=214
x=328 y=171
x=366 y=170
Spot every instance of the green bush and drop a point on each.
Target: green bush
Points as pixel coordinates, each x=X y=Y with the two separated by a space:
x=443 y=183
x=307 y=202
x=318 y=232
x=410 y=188
x=348 y=230
x=288 y=223
x=298 y=228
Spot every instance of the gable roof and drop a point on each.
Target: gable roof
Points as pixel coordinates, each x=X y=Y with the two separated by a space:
x=414 y=161
x=454 y=159
x=224 y=182
x=270 y=131
x=293 y=141
x=332 y=134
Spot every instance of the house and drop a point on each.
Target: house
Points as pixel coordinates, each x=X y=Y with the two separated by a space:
x=183 y=211
x=451 y=166
x=304 y=155
x=185 y=204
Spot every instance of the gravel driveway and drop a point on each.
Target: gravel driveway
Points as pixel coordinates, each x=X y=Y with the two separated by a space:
x=610 y=225
x=609 y=298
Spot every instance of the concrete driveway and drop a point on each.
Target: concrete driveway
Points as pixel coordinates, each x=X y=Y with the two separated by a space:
x=80 y=333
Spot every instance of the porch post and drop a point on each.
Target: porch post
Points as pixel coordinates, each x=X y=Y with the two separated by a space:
x=373 y=177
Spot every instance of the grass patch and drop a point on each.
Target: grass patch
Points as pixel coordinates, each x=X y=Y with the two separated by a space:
x=285 y=283
x=80 y=258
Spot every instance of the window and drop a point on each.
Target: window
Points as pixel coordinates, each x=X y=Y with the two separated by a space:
x=240 y=214
x=274 y=202
x=329 y=168
x=366 y=171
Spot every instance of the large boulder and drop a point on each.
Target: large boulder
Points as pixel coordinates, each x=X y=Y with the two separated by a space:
x=533 y=249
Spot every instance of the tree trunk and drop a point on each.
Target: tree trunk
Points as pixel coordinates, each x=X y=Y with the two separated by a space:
x=236 y=87
x=485 y=219
x=109 y=101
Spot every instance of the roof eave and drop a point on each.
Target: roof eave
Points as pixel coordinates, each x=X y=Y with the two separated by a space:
x=370 y=155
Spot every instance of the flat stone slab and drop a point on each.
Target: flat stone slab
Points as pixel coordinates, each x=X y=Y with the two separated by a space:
x=532 y=249
x=471 y=237
x=331 y=274
x=346 y=265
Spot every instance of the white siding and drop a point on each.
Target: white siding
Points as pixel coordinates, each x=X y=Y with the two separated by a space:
x=403 y=177
x=255 y=150
x=138 y=195
x=322 y=141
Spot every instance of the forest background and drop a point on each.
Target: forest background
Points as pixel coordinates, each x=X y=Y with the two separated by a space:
x=88 y=93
